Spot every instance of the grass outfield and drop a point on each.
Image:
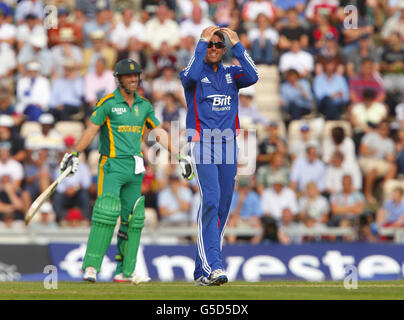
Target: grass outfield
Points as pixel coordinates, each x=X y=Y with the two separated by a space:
x=279 y=290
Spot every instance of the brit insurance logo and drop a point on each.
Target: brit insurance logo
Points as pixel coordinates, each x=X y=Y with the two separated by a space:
x=220 y=102
x=119 y=111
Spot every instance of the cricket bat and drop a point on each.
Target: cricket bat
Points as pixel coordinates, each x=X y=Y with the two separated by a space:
x=44 y=196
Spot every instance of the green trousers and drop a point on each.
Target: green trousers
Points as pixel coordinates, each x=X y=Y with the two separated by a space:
x=118 y=190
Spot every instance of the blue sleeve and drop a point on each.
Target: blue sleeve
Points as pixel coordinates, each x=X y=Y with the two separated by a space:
x=191 y=73
x=247 y=74
x=318 y=88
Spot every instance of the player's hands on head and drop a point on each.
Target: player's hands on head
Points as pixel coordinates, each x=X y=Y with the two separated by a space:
x=70 y=159
x=208 y=32
x=231 y=35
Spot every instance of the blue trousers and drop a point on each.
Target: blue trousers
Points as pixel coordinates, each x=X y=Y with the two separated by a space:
x=215 y=167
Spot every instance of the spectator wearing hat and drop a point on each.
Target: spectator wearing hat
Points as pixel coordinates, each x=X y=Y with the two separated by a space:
x=36 y=49
x=272 y=142
x=296 y=95
x=72 y=192
x=366 y=78
x=8 y=31
x=377 y=158
x=161 y=28
x=174 y=203
x=329 y=51
x=331 y=92
x=44 y=220
x=308 y=168
x=67 y=93
x=247 y=107
x=365 y=115
x=74 y=219
x=66 y=49
x=33 y=92
x=98 y=49
x=125 y=31
x=245 y=211
x=65 y=23
x=364 y=50
x=298 y=59
x=299 y=145
x=277 y=198
x=98 y=83
x=9 y=135
x=23 y=8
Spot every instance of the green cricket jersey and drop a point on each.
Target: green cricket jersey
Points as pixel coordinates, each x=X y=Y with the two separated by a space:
x=122 y=126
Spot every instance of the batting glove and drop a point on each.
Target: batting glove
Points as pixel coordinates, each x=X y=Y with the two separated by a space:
x=186 y=167
x=70 y=159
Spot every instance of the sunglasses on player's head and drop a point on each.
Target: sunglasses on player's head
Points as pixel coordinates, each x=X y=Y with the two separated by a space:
x=218 y=45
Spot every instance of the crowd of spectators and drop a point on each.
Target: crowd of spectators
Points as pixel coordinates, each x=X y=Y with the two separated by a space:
x=57 y=60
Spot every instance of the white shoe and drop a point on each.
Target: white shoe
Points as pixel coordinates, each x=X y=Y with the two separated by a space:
x=121 y=278
x=202 y=281
x=136 y=278
x=218 y=277
x=90 y=274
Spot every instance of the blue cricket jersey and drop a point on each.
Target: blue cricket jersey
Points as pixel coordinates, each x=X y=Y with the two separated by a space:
x=212 y=97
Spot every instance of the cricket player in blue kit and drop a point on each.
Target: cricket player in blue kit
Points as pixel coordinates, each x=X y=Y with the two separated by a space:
x=211 y=91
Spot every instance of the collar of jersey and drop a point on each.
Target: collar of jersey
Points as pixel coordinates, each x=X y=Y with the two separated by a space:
x=220 y=66
x=120 y=99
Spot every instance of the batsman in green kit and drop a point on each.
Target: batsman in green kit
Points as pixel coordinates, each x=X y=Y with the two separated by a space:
x=121 y=119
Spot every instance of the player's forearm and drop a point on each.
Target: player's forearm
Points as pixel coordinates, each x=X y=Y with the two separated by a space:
x=88 y=136
x=163 y=138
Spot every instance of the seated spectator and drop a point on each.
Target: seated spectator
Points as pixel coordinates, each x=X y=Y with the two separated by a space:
x=8 y=30
x=67 y=93
x=337 y=168
x=65 y=23
x=66 y=49
x=271 y=143
x=160 y=59
x=364 y=50
x=329 y=51
x=174 y=203
x=162 y=28
x=99 y=48
x=74 y=219
x=308 y=168
x=299 y=145
x=252 y=8
x=247 y=109
x=168 y=83
x=245 y=211
x=267 y=172
x=377 y=158
x=33 y=93
x=36 y=49
x=275 y=199
x=392 y=68
x=364 y=116
x=99 y=23
x=282 y=7
x=339 y=141
x=125 y=31
x=10 y=167
x=98 y=83
x=44 y=220
x=72 y=192
x=8 y=64
x=331 y=92
x=263 y=40
x=394 y=23
x=391 y=214
x=31 y=26
x=11 y=136
x=195 y=24
x=292 y=30
x=347 y=205
x=297 y=59
x=185 y=52
x=89 y=8
x=322 y=28
x=170 y=111
x=296 y=95
x=288 y=223
x=366 y=78
x=35 y=7
x=13 y=200
x=7 y=106
x=313 y=208
x=315 y=7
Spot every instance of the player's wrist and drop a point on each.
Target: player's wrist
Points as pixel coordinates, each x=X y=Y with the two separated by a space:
x=204 y=39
